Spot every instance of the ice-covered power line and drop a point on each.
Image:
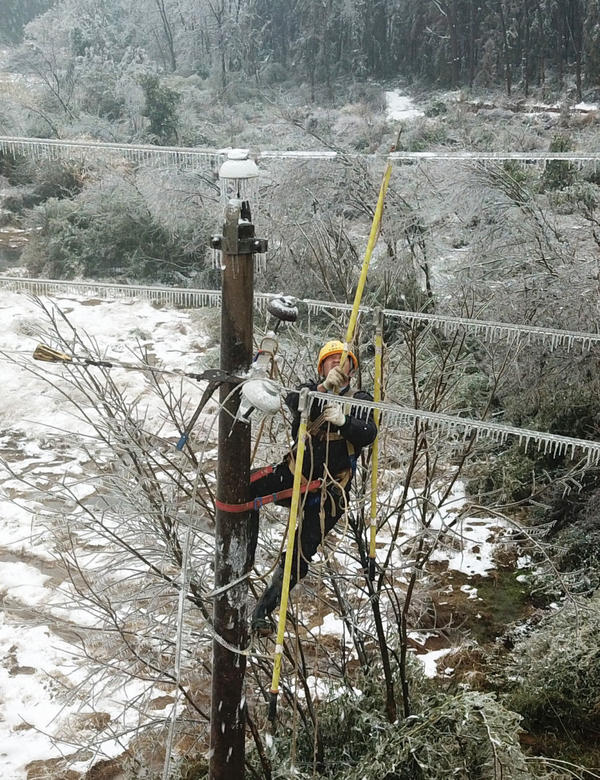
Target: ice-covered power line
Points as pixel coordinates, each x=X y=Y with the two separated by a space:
x=211 y=158
x=196 y=298
x=461 y=429
x=51 y=149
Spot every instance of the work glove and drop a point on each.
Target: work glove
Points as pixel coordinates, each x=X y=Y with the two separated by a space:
x=333 y=414
x=335 y=379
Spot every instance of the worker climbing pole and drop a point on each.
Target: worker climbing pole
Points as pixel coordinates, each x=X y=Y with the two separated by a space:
x=302 y=432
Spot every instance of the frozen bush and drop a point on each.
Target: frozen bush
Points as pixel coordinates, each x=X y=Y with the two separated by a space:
x=553 y=675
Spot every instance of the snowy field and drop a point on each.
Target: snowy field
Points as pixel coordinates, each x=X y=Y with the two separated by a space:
x=43 y=444
x=400 y=107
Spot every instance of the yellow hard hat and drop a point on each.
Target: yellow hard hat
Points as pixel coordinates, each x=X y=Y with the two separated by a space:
x=334 y=348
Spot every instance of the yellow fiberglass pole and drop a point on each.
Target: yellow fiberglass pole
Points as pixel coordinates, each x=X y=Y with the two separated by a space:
x=373 y=236
x=303 y=407
x=375 y=449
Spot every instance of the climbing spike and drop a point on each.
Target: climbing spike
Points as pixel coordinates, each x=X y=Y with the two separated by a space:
x=49 y=355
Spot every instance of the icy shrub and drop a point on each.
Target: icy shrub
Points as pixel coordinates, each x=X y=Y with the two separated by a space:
x=472 y=391
x=561 y=404
x=506 y=477
x=15 y=168
x=558 y=173
x=469 y=734
x=574 y=538
x=437 y=108
x=553 y=675
x=422 y=135
x=51 y=179
x=273 y=73
x=108 y=230
x=371 y=95
x=160 y=109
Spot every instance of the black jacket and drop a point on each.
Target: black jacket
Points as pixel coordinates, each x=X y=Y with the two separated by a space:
x=359 y=429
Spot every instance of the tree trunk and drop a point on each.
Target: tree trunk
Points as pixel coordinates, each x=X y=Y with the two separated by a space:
x=505 y=48
x=168 y=33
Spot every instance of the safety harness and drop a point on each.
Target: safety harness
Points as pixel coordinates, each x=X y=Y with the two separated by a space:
x=259 y=501
x=342 y=478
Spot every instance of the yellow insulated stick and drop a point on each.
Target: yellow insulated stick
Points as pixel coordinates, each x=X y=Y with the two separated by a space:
x=373 y=236
x=375 y=448
x=287 y=569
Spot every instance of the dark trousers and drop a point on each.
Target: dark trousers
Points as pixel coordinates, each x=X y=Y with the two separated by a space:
x=311 y=529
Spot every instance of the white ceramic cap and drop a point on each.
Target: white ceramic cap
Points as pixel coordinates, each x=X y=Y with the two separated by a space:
x=238 y=166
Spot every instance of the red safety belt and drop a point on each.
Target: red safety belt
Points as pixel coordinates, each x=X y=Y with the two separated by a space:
x=256 y=503
x=261 y=473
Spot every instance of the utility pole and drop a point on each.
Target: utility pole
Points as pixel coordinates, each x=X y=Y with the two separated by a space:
x=228 y=709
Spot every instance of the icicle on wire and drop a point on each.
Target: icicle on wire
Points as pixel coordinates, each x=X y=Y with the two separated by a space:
x=206 y=159
x=492 y=331
x=191 y=156
x=396 y=416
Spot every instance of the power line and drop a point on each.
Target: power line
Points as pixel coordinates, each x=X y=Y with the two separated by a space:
x=200 y=298
x=461 y=429
x=211 y=157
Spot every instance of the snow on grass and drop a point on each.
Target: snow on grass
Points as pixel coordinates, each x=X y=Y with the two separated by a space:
x=467 y=543
x=400 y=107
x=430 y=660
x=324 y=689
x=31 y=405
x=19 y=532
x=32 y=663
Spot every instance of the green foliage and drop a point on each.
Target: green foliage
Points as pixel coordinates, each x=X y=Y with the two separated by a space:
x=472 y=391
x=553 y=675
x=516 y=171
x=573 y=539
x=15 y=168
x=506 y=477
x=437 y=108
x=161 y=109
x=109 y=230
x=556 y=400
x=423 y=135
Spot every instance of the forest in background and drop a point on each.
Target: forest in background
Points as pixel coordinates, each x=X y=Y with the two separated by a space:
x=520 y=44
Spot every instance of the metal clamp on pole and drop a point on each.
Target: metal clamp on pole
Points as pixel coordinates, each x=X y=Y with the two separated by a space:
x=303 y=407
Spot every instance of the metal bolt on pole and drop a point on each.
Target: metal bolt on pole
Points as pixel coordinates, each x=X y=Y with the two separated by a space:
x=227 y=731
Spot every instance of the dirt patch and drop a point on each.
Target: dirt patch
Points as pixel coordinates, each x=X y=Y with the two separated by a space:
x=487 y=605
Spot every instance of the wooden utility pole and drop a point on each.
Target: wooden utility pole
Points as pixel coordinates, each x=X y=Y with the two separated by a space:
x=228 y=721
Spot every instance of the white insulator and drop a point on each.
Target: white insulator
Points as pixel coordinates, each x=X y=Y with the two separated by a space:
x=262 y=394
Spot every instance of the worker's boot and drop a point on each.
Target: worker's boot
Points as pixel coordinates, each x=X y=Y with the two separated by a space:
x=261 y=624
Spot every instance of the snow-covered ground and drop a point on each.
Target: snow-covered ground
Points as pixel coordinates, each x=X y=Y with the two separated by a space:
x=42 y=442
x=400 y=107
